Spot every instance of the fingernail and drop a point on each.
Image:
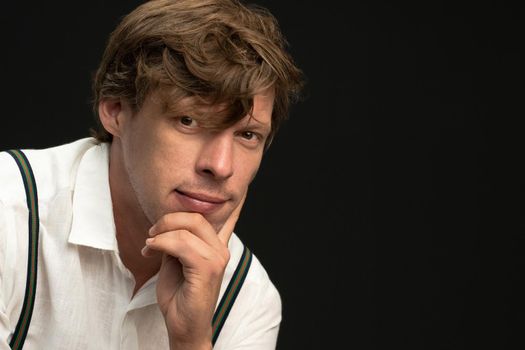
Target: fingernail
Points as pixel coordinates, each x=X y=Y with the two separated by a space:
x=144 y=250
x=150 y=240
x=151 y=230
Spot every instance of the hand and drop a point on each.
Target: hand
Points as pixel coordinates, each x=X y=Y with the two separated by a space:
x=193 y=263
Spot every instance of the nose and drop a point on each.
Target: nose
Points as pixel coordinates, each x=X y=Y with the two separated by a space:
x=216 y=156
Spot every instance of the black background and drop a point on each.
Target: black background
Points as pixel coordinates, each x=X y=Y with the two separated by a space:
x=388 y=211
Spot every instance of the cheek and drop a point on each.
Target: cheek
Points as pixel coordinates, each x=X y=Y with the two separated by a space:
x=169 y=162
x=145 y=142
x=143 y=160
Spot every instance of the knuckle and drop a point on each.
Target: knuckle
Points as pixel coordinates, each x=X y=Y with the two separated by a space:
x=163 y=221
x=217 y=270
x=226 y=256
x=222 y=260
x=182 y=236
x=168 y=221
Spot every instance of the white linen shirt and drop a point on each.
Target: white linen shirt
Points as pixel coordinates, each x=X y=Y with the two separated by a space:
x=84 y=292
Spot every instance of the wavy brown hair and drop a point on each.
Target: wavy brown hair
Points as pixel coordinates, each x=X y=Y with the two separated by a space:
x=221 y=51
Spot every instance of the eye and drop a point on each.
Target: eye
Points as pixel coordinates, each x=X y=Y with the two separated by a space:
x=248 y=135
x=251 y=138
x=187 y=121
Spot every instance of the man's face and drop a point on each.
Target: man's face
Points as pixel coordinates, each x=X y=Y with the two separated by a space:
x=173 y=164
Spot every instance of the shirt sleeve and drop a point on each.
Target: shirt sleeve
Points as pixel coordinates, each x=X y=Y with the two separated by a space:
x=261 y=321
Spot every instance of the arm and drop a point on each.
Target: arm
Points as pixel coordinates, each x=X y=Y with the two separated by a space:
x=194 y=259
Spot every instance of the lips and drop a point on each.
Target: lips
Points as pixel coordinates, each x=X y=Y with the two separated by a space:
x=199 y=202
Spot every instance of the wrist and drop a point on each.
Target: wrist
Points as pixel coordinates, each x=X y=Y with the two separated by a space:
x=196 y=338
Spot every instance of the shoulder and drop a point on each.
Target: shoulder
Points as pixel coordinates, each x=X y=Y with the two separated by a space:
x=53 y=168
x=256 y=315
x=257 y=277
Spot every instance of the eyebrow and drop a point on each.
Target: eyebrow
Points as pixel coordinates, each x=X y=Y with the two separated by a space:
x=189 y=105
x=254 y=123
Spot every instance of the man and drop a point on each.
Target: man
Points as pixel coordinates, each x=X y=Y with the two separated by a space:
x=136 y=245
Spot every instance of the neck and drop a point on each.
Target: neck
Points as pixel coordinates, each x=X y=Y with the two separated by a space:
x=131 y=223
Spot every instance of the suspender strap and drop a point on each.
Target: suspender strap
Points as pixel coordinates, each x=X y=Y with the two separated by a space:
x=19 y=336
x=231 y=293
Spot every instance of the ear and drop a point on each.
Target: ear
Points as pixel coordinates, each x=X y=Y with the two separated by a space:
x=112 y=112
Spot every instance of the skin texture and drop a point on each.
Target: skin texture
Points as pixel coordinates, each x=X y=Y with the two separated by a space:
x=177 y=191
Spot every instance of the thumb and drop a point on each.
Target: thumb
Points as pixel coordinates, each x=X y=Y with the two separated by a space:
x=227 y=229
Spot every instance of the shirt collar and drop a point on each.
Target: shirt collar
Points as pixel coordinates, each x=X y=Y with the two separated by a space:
x=93 y=224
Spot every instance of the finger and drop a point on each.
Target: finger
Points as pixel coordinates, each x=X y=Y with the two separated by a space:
x=227 y=229
x=188 y=248
x=192 y=222
x=148 y=253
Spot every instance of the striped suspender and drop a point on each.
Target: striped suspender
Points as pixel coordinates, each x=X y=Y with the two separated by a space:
x=19 y=336
x=231 y=293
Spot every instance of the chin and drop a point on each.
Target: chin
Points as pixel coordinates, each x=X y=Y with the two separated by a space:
x=216 y=222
